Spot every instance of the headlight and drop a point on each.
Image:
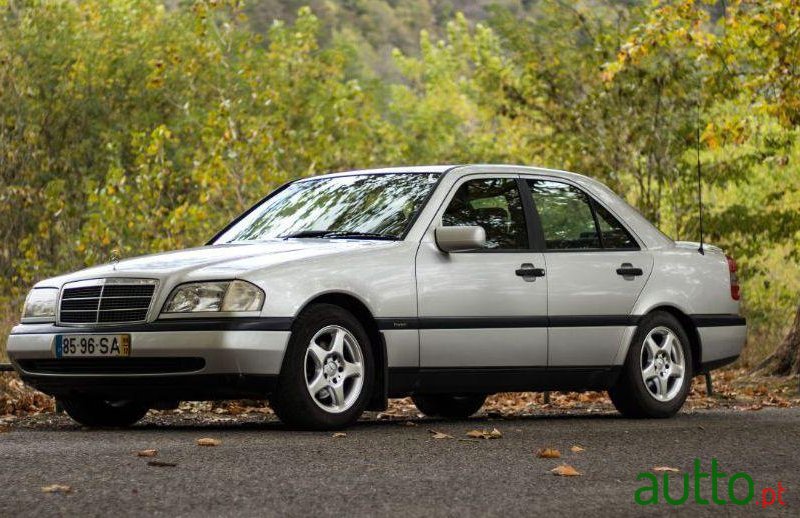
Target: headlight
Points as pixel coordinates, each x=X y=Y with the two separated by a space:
x=215 y=296
x=40 y=305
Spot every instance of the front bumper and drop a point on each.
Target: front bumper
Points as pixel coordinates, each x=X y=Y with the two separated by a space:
x=163 y=364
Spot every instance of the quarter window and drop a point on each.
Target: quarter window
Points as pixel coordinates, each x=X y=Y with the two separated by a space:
x=613 y=234
x=570 y=219
x=494 y=204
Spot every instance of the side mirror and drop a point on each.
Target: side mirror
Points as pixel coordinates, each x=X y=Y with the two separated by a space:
x=454 y=239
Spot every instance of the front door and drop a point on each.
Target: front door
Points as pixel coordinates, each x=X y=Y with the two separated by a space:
x=595 y=272
x=486 y=308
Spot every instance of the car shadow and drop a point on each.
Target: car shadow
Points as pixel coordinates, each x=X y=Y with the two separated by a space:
x=254 y=422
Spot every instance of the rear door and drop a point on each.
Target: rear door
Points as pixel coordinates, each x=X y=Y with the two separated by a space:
x=596 y=270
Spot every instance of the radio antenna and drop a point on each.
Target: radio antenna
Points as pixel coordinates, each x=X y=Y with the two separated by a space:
x=699 y=176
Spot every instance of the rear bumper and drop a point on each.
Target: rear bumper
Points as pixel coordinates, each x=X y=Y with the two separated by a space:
x=179 y=364
x=721 y=345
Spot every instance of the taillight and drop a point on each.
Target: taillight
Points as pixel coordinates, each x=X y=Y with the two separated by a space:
x=735 y=294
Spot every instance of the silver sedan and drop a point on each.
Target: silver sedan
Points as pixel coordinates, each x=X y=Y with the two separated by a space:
x=445 y=283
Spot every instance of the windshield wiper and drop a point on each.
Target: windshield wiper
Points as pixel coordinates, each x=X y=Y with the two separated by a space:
x=356 y=235
x=340 y=234
x=306 y=233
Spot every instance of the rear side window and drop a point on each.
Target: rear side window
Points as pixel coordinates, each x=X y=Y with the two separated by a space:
x=572 y=221
x=566 y=216
x=494 y=204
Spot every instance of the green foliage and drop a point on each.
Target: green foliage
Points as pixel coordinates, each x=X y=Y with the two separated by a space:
x=745 y=61
x=130 y=126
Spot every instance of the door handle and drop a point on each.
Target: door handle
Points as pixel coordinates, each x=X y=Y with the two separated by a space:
x=628 y=270
x=527 y=271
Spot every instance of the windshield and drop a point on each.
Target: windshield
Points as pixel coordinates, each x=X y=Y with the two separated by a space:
x=368 y=206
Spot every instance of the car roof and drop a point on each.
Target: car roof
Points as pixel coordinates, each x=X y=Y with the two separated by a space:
x=464 y=168
x=419 y=169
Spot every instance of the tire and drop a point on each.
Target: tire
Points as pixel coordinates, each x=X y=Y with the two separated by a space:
x=342 y=393
x=664 y=394
x=448 y=406
x=100 y=413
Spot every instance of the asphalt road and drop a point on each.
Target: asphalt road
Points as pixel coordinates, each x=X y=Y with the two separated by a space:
x=392 y=468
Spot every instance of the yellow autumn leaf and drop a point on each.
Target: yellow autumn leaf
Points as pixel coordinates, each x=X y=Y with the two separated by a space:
x=494 y=433
x=565 y=470
x=440 y=435
x=147 y=453
x=548 y=453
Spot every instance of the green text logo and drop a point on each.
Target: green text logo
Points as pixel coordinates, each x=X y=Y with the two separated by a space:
x=737 y=489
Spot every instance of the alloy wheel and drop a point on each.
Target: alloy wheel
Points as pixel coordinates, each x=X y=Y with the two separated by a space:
x=663 y=365
x=334 y=369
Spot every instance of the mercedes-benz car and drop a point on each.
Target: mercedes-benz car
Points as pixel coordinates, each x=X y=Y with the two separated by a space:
x=443 y=283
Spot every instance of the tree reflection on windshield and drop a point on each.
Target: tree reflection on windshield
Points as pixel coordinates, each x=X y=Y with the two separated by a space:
x=368 y=206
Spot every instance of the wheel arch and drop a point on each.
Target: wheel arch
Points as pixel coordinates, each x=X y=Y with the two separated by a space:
x=695 y=343
x=353 y=304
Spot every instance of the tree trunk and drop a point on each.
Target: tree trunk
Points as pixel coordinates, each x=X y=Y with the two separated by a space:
x=786 y=358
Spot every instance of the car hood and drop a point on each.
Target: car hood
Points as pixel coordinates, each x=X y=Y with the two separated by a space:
x=219 y=261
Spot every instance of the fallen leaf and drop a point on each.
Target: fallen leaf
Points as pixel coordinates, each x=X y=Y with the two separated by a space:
x=161 y=464
x=56 y=488
x=440 y=435
x=548 y=453
x=485 y=434
x=661 y=469
x=147 y=453
x=409 y=423
x=565 y=470
x=4 y=428
x=208 y=441
x=577 y=449
x=339 y=435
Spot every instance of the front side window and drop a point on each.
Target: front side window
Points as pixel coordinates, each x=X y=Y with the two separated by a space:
x=372 y=206
x=572 y=221
x=494 y=204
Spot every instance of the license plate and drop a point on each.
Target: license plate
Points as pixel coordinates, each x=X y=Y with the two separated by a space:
x=92 y=345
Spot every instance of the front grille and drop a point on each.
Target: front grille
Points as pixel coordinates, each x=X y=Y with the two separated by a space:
x=112 y=365
x=106 y=301
x=79 y=293
x=128 y=290
x=79 y=304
